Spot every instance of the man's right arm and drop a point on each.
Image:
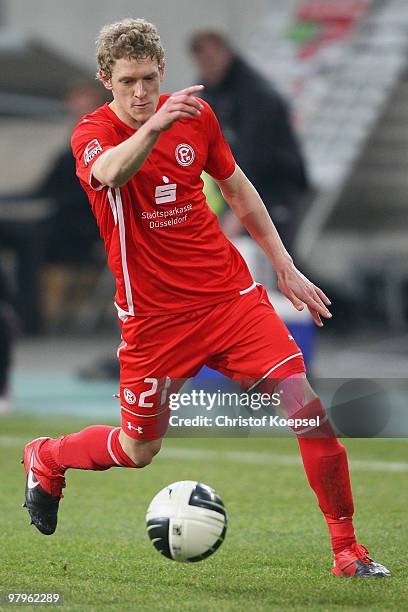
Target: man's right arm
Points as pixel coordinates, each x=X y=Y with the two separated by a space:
x=117 y=165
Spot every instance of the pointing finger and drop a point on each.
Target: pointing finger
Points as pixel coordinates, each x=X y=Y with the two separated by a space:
x=190 y=90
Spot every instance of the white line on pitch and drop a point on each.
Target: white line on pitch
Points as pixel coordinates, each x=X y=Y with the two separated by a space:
x=249 y=457
x=256 y=458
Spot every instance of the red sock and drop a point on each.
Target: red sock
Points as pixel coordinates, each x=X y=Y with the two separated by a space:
x=325 y=463
x=94 y=448
x=326 y=467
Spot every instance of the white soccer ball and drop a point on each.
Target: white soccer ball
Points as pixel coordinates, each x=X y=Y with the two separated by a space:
x=186 y=521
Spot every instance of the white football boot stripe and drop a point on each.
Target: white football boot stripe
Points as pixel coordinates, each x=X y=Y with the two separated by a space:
x=31 y=483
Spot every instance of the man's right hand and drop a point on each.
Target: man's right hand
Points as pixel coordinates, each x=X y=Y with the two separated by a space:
x=180 y=105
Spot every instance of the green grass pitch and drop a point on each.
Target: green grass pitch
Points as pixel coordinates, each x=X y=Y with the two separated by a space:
x=276 y=555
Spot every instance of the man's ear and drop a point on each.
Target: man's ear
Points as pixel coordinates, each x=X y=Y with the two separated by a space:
x=162 y=67
x=105 y=80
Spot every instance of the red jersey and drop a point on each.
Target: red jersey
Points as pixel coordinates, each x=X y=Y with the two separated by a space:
x=164 y=244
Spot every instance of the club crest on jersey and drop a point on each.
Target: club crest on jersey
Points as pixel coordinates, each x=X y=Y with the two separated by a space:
x=185 y=154
x=166 y=193
x=91 y=149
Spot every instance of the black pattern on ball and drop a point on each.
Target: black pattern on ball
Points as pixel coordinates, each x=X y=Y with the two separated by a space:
x=158 y=531
x=205 y=497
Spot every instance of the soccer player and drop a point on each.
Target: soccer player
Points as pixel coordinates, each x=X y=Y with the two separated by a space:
x=185 y=296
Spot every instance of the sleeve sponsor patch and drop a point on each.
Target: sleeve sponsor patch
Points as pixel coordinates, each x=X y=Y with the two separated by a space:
x=91 y=150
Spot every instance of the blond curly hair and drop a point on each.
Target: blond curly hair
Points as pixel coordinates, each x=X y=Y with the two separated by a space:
x=129 y=38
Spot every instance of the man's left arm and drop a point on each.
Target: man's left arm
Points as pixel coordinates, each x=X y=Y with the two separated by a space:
x=245 y=202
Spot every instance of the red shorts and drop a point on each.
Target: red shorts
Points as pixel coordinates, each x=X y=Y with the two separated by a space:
x=242 y=338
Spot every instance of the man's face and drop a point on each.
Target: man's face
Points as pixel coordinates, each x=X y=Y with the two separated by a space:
x=212 y=62
x=135 y=85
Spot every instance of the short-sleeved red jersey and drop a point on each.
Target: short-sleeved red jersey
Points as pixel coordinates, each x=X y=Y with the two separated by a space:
x=164 y=244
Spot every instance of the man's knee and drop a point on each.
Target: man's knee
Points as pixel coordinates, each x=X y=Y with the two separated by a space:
x=141 y=453
x=300 y=403
x=295 y=394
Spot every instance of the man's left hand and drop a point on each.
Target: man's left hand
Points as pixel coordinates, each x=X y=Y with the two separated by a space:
x=300 y=291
